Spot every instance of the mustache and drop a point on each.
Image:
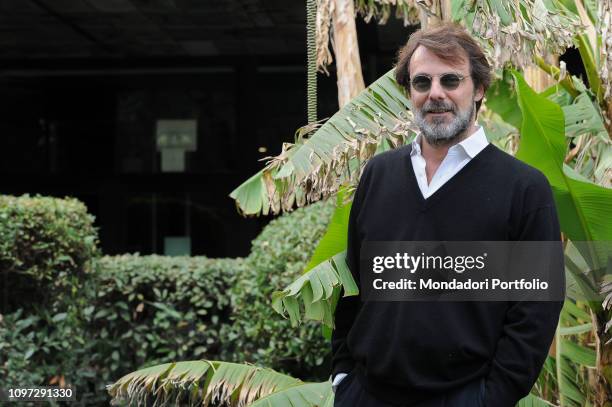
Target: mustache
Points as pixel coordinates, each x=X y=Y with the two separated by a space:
x=437 y=107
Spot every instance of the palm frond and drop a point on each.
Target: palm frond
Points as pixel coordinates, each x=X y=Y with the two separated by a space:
x=316 y=289
x=513 y=32
x=316 y=166
x=199 y=382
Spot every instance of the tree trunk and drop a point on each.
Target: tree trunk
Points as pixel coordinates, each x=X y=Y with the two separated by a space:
x=346 y=48
x=537 y=78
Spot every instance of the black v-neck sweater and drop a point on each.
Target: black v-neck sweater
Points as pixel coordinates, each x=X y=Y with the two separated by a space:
x=406 y=352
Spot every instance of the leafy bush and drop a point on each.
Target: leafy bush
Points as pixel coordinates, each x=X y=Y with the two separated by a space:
x=46 y=251
x=136 y=311
x=45 y=248
x=94 y=319
x=18 y=343
x=151 y=309
x=258 y=334
x=39 y=349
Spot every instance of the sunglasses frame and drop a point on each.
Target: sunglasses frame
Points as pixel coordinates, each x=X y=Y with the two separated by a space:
x=441 y=76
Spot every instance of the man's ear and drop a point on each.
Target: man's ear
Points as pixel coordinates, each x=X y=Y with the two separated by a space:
x=479 y=94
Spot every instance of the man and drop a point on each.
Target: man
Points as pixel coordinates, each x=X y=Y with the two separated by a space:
x=450 y=184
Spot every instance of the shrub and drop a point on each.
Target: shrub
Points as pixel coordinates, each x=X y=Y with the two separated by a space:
x=94 y=319
x=161 y=308
x=18 y=343
x=45 y=248
x=136 y=311
x=258 y=334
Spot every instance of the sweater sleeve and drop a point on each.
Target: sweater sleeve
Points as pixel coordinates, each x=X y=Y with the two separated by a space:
x=529 y=326
x=348 y=307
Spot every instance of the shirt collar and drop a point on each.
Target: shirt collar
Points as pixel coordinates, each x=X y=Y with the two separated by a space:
x=472 y=145
x=475 y=143
x=416 y=145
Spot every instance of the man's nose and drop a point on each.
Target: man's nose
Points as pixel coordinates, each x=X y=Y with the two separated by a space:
x=437 y=91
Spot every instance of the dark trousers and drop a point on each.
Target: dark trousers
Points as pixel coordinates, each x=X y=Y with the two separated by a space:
x=350 y=393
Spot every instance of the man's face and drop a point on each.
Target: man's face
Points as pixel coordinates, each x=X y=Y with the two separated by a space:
x=442 y=114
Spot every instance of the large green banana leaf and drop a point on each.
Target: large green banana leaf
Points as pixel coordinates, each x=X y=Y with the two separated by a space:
x=581 y=204
x=502 y=100
x=212 y=383
x=584 y=123
x=334 y=239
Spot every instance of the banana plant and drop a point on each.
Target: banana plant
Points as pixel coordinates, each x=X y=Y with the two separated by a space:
x=214 y=383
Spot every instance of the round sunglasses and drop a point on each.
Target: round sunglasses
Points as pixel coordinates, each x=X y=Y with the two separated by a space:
x=449 y=81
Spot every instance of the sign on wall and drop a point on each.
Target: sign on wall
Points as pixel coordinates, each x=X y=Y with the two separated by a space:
x=173 y=139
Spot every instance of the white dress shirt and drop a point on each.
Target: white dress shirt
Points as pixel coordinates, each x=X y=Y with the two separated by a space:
x=457 y=157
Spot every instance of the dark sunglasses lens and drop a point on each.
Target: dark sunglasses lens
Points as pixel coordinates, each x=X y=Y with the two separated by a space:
x=421 y=83
x=450 y=81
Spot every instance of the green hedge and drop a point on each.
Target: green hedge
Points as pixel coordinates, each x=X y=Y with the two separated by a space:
x=151 y=309
x=136 y=311
x=111 y=315
x=258 y=334
x=46 y=245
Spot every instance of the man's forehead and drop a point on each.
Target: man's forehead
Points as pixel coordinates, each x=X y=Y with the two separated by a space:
x=425 y=60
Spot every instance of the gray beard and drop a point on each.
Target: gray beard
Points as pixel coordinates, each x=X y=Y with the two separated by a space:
x=438 y=133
